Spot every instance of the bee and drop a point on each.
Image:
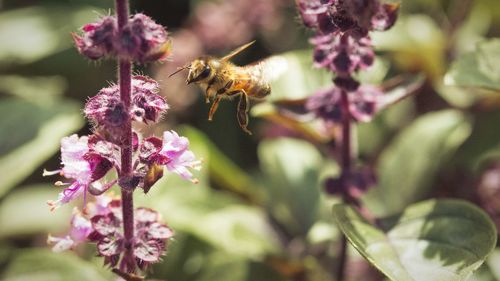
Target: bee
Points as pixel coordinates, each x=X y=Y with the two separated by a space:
x=222 y=79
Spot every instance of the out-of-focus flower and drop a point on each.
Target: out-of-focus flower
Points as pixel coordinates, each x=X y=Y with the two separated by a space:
x=342 y=55
x=353 y=184
x=488 y=190
x=107 y=111
x=363 y=104
x=81 y=165
x=219 y=24
x=355 y=16
x=325 y=104
x=149 y=241
x=141 y=40
x=80 y=229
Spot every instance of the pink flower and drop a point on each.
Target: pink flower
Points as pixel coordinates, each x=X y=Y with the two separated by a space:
x=172 y=152
x=80 y=164
x=80 y=229
x=175 y=148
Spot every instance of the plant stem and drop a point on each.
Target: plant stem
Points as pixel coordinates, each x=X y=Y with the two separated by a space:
x=125 y=81
x=346 y=163
x=342 y=259
x=346 y=151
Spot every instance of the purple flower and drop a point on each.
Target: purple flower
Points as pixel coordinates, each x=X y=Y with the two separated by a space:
x=80 y=164
x=80 y=229
x=108 y=113
x=364 y=103
x=147 y=104
x=325 y=104
x=353 y=184
x=354 y=16
x=149 y=240
x=344 y=55
x=141 y=40
x=97 y=39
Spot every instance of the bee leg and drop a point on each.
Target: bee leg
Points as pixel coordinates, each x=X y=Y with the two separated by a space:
x=207 y=91
x=225 y=88
x=242 y=113
x=214 y=107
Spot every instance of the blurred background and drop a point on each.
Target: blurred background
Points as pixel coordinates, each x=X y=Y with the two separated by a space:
x=259 y=212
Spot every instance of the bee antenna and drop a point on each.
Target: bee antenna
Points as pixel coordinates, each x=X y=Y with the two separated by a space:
x=179 y=69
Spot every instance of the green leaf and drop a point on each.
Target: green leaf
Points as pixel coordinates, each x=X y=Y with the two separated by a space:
x=292 y=170
x=44 y=265
x=477 y=69
x=416 y=42
x=221 y=169
x=24 y=212
x=494 y=263
x=408 y=166
x=435 y=240
x=30 y=134
x=40 y=89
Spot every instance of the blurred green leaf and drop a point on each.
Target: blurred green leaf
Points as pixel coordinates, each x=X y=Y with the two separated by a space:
x=416 y=42
x=29 y=34
x=292 y=170
x=30 y=134
x=25 y=212
x=221 y=169
x=477 y=69
x=494 y=263
x=408 y=166
x=483 y=144
x=39 y=89
x=44 y=265
x=221 y=267
x=435 y=240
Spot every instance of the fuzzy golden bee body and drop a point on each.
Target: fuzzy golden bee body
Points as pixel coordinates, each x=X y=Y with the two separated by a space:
x=222 y=79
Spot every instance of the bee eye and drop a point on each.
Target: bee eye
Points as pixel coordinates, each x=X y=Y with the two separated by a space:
x=205 y=73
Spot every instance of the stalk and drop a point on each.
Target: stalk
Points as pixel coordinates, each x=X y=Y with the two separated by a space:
x=125 y=81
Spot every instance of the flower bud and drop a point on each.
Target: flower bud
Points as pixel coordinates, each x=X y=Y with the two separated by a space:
x=98 y=38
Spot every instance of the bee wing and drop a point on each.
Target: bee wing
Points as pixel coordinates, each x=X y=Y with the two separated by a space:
x=269 y=69
x=237 y=51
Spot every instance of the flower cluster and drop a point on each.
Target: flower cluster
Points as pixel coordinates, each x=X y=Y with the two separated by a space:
x=102 y=223
x=127 y=238
x=107 y=112
x=86 y=160
x=141 y=39
x=342 y=43
x=343 y=46
x=149 y=240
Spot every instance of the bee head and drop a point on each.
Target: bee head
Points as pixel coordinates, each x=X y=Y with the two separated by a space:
x=199 y=70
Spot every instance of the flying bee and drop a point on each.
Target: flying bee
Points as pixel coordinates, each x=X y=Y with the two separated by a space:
x=222 y=79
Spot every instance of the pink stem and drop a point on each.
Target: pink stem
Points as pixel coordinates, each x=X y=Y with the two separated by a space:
x=125 y=81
